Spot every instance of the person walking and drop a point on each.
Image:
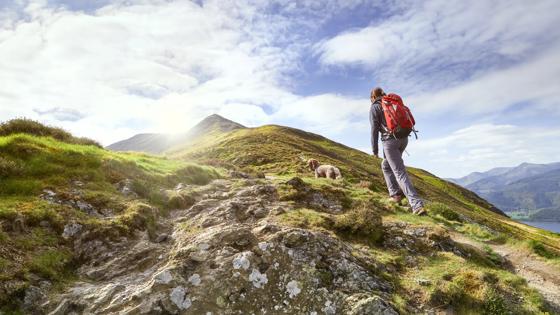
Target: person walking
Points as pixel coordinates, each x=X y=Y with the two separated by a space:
x=394 y=141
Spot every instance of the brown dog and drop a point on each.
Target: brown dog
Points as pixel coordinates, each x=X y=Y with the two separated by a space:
x=327 y=171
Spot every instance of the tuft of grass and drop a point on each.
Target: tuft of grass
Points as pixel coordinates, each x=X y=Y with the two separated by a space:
x=307 y=218
x=51 y=264
x=443 y=210
x=362 y=221
x=139 y=216
x=539 y=249
x=494 y=257
x=482 y=233
x=469 y=288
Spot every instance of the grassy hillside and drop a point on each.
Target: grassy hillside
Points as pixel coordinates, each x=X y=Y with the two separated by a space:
x=278 y=150
x=46 y=183
x=281 y=152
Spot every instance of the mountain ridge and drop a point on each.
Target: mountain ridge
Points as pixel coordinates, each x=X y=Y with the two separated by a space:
x=157 y=143
x=520 y=189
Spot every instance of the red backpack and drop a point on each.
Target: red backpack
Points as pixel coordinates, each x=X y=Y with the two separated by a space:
x=400 y=122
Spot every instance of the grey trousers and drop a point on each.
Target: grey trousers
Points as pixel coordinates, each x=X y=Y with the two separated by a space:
x=395 y=173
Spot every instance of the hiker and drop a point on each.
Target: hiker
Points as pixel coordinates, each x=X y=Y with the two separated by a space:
x=395 y=140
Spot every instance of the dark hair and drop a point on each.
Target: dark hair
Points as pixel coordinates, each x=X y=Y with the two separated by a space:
x=377 y=92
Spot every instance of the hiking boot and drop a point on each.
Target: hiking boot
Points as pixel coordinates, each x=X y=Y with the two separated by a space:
x=419 y=211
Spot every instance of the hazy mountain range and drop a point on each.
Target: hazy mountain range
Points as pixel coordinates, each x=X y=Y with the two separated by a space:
x=531 y=189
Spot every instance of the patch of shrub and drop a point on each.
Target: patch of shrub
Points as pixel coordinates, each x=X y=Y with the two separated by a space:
x=482 y=233
x=361 y=221
x=539 y=249
x=494 y=257
x=195 y=174
x=9 y=168
x=438 y=208
x=494 y=303
x=306 y=218
x=139 y=216
x=32 y=127
x=50 y=264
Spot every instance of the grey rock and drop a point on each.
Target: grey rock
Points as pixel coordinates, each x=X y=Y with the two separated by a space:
x=33 y=299
x=71 y=230
x=62 y=308
x=161 y=238
x=372 y=305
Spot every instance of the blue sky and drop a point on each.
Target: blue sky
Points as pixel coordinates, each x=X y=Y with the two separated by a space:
x=481 y=77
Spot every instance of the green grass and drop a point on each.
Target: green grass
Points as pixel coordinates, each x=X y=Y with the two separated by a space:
x=469 y=288
x=30 y=163
x=541 y=250
x=51 y=264
x=482 y=233
x=35 y=161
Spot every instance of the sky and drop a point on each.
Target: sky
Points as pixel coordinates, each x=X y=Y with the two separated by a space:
x=481 y=77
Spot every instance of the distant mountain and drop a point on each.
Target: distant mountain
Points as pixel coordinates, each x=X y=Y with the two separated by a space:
x=157 y=143
x=532 y=189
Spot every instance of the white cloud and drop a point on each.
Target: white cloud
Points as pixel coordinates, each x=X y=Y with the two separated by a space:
x=432 y=28
x=482 y=147
x=328 y=114
x=165 y=63
x=437 y=43
x=61 y=114
x=535 y=81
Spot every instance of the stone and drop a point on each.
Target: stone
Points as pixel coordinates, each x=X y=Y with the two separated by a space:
x=295 y=238
x=360 y=304
x=241 y=261
x=33 y=299
x=71 y=230
x=164 y=277
x=179 y=298
x=161 y=238
x=62 y=308
x=195 y=279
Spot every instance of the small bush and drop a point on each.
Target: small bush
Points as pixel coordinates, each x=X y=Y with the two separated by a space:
x=50 y=264
x=482 y=233
x=139 y=216
x=438 y=208
x=195 y=174
x=494 y=257
x=9 y=168
x=306 y=218
x=32 y=127
x=362 y=221
x=539 y=249
x=494 y=304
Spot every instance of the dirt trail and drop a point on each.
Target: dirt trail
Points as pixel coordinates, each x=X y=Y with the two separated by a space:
x=540 y=275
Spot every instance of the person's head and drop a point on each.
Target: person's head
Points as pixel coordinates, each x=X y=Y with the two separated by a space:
x=376 y=93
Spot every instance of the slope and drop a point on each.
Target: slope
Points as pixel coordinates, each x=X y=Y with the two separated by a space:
x=130 y=233
x=50 y=189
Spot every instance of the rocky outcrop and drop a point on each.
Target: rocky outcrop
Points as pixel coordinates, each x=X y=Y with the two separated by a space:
x=225 y=254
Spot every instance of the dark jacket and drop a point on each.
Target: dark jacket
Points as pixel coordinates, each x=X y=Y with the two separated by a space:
x=378 y=125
